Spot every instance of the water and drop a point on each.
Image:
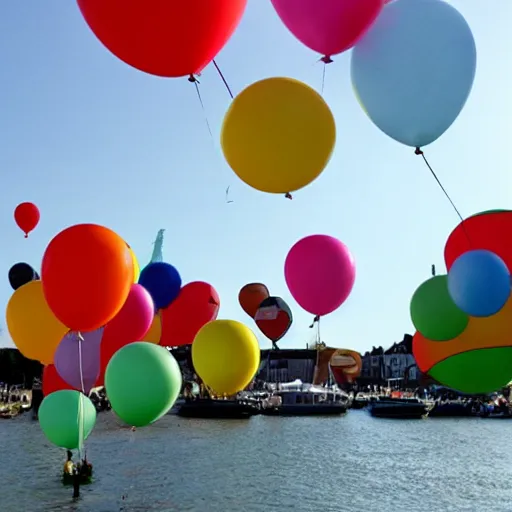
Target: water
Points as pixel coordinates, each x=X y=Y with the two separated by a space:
x=341 y=464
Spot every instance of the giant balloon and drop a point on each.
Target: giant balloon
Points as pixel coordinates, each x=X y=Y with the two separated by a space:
x=87 y=272
x=345 y=365
x=142 y=381
x=487 y=230
x=320 y=273
x=33 y=327
x=197 y=304
x=67 y=418
x=251 y=296
x=477 y=361
x=162 y=281
x=77 y=359
x=278 y=135
x=27 y=217
x=328 y=27
x=414 y=69
x=169 y=38
x=274 y=318
x=434 y=313
x=52 y=381
x=20 y=274
x=226 y=356
x=479 y=282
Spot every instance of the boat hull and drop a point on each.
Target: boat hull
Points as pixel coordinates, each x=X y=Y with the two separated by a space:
x=216 y=409
x=398 y=410
x=305 y=410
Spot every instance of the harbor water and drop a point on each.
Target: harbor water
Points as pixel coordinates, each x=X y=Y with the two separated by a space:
x=354 y=463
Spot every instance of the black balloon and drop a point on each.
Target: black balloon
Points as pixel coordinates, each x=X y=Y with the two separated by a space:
x=20 y=274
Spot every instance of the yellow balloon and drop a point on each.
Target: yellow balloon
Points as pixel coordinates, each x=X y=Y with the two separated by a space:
x=33 y=327
x=136 y=267
x=226 y=356
x=155 y=331
x=278 y=135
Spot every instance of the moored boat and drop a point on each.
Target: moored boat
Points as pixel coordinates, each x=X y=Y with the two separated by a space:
x=399 y=408
x=216 y=409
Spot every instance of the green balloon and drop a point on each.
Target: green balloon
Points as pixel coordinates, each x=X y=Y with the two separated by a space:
x=64 y=415
x=433 y=312
x=479 y=371
x=142 y=381
x=488 y=212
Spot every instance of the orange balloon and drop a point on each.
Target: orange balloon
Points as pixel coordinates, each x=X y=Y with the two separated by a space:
x=87 y=272
x=484 y=332
x=251 y=296
x=155 y=331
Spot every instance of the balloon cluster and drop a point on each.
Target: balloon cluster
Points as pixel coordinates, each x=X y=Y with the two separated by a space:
x=278 y=134
x=463 y=319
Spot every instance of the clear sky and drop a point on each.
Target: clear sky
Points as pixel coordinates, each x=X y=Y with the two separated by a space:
x=90 y=139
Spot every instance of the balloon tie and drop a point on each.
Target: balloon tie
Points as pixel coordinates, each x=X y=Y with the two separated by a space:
x=223 y=78
x=419 y=152
x=193 y=79
x=288 y=195
x=26 y=235
x=326 y=59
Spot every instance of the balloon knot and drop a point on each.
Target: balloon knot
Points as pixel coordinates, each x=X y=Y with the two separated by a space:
x=192 y=79
x=326 y=59
x=288 y=195
x=418 y=151
x=26 y=235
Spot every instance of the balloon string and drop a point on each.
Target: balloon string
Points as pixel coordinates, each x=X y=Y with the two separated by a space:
x=196 y=83
x=418 y=151
x=323 y=79
x=223 y=79
x=81 y=417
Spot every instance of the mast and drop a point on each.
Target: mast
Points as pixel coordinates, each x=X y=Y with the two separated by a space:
x=157 y=256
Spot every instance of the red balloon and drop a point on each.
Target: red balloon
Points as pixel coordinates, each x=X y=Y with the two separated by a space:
x=52 y=381
x=169 y=38
x=131 y=324
x=27 y=217
x=487 y=230
x=197 y=304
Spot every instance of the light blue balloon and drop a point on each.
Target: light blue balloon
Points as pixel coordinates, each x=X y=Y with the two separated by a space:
x=413 y=70
x=479 y=283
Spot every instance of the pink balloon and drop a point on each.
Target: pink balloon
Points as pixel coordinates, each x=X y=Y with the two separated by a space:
x=328 y=27
x=320 y=273
x=133 y=320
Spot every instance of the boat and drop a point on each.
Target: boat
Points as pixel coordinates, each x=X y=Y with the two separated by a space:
x=360 y=401
x=399 y=408
x=85 y=479
x=298 y=399
x=212 y=408
x=452 y=409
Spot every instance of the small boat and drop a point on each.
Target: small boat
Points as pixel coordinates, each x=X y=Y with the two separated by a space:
x=68 y=479
x=399 y=408
x=452 y=409
x=360 y=401
x=216 y=409
x=297 y=399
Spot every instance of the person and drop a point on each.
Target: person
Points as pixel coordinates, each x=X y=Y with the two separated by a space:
x=68 y=465
x=86 y=467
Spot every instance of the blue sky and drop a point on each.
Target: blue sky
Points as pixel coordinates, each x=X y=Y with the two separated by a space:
x=90 y=139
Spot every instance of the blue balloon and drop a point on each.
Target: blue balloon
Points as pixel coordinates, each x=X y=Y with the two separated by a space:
x=479 y=283
x=162 y=281
x=414 y=69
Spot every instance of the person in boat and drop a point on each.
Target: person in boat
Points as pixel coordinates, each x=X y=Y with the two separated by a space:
x=85 y=468
x=68 y=465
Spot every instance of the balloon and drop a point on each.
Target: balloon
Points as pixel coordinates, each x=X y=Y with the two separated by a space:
x=226 y=356
x=27 y=217
x=65 y=416
x=162 y=281
x=197 y=304
x=77 y=359
x=131 y=324
x=434 y=313
x=33 y=327
x=345 y=365
x=142 y=381
x=20 y=274
x=136 y=267
x=274 y=318
x=486 y=230
x=52 y=381
x=414 y=69
x=87 y=272
x=154 y=334
x=154 y=36
x=251 y=296
x=328 y=27
x=479 y=283
x=320 y=273
x=278 y=135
